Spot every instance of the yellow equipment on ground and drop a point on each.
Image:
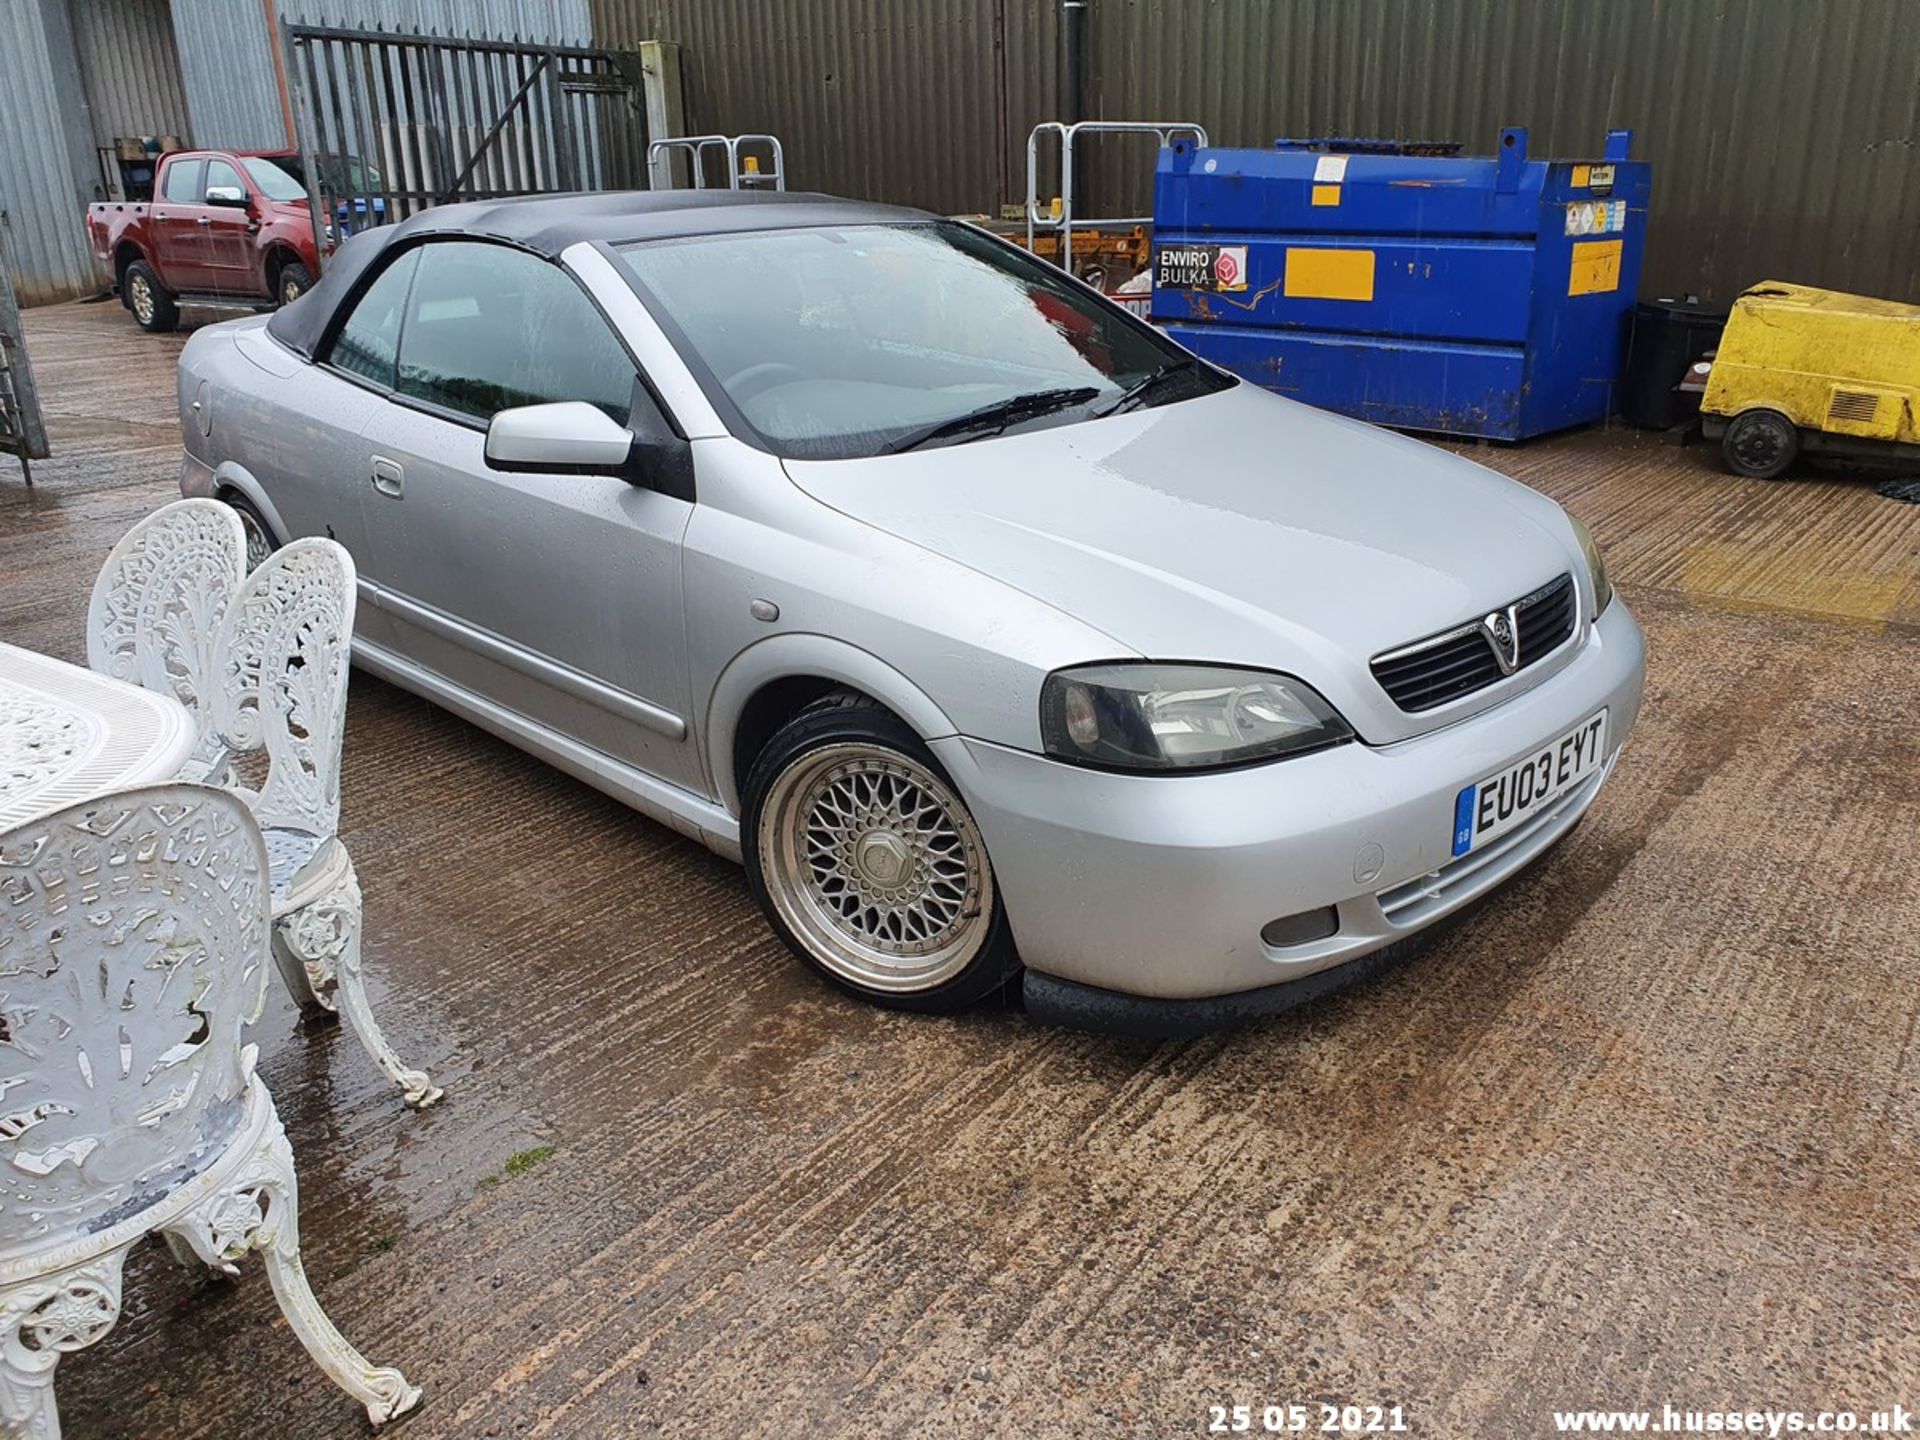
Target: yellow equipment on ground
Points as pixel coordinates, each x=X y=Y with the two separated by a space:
x=1102 y=257
x=1801 y=369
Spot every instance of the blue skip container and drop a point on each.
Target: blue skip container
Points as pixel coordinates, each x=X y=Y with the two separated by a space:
x=1406 y=284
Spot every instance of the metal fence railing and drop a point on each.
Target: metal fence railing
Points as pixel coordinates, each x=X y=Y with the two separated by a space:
x=1064 y=220
x=390 y=124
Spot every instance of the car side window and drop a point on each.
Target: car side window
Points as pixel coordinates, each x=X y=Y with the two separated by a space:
x=489 y=328
x=183 y=181
x=220 y=173
x=368 y=345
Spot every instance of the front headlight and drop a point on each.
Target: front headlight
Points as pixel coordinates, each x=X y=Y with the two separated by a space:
x=1149 y=716
x=1596 y=567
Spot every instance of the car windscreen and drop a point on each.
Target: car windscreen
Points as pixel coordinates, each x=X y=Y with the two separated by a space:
x=273 y=182
x=860 y=340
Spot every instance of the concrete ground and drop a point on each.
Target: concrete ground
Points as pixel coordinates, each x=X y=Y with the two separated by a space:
x=1646 y=1129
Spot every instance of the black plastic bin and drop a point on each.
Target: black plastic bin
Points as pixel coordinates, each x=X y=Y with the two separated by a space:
x=1668 y=336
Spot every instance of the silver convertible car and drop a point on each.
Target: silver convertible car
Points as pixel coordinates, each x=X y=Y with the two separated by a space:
x=1014 y=649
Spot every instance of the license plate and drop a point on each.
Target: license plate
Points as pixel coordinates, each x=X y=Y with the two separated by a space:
x=1514 y=795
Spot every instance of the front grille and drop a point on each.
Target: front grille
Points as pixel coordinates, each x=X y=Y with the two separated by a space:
x=1462 y=660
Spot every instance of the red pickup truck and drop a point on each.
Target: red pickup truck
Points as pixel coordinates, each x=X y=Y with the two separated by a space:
x=224 y=228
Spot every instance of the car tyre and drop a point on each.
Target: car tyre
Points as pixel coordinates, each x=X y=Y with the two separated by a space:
x=868 y=864
x=293 y=281
x=154 y=309
x=260 y=538
x=1760 y=444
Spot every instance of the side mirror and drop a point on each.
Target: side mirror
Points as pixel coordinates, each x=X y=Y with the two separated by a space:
x=231 y=196
x=570 y=437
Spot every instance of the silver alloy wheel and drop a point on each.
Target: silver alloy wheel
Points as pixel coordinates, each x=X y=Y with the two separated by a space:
x=875 y=864
x=140 y=292
x=289 y=290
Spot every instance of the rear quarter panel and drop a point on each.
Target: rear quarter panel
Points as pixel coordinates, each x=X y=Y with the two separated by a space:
x=112 y=223
x=292 y=427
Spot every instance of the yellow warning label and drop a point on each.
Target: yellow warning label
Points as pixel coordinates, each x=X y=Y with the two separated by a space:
x=1583 y=175
x=1596 y=267
x=1330 y=274
x=1326 y=194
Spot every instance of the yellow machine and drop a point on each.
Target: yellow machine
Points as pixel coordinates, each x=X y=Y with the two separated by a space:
x=1102 y=257
x=1800 y=369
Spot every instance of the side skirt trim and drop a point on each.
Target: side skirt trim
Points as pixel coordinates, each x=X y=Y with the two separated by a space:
x=694 y=816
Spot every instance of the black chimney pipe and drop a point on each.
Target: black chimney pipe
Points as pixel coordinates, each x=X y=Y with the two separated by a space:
x=1073 y=49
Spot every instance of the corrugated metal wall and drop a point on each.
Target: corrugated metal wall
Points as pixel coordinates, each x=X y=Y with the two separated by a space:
x=131 y=69
x=226 y=63
x=898 y=100
x=1785 y=134
x=46 y=165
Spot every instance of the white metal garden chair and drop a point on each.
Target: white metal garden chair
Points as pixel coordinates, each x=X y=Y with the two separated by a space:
x=284 y=649
x=133 y=945
x=154 y=619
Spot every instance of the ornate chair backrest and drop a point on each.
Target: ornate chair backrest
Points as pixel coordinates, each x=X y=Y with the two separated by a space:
x=158 y=602
x=133 y=950
x=284 y=650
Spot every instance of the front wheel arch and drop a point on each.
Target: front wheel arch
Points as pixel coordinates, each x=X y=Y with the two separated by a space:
x=809 y=665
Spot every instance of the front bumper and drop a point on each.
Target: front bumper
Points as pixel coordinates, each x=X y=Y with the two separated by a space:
x=1159 y=886
x=1052 y=1001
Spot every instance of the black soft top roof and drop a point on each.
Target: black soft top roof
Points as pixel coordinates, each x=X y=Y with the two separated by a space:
x=548 y=224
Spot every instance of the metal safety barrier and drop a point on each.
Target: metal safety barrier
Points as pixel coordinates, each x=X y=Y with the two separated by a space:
x=1066 y=222
x=743 y=169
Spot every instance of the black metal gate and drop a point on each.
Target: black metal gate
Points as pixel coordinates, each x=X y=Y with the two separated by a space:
x=22 y=432
x=390 y=124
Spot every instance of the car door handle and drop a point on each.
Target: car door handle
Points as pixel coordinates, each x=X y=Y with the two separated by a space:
x=201 y=220
x=388 y=478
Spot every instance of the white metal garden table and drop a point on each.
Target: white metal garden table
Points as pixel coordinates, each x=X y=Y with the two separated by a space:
x=68 y=734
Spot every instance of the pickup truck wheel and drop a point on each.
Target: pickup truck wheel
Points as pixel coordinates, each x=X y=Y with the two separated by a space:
x=293 y=283
x=1760 y=444
x=153 y=308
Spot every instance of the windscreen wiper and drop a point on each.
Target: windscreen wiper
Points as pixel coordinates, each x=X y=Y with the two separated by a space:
x=997 y=416
x=1136 y=393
